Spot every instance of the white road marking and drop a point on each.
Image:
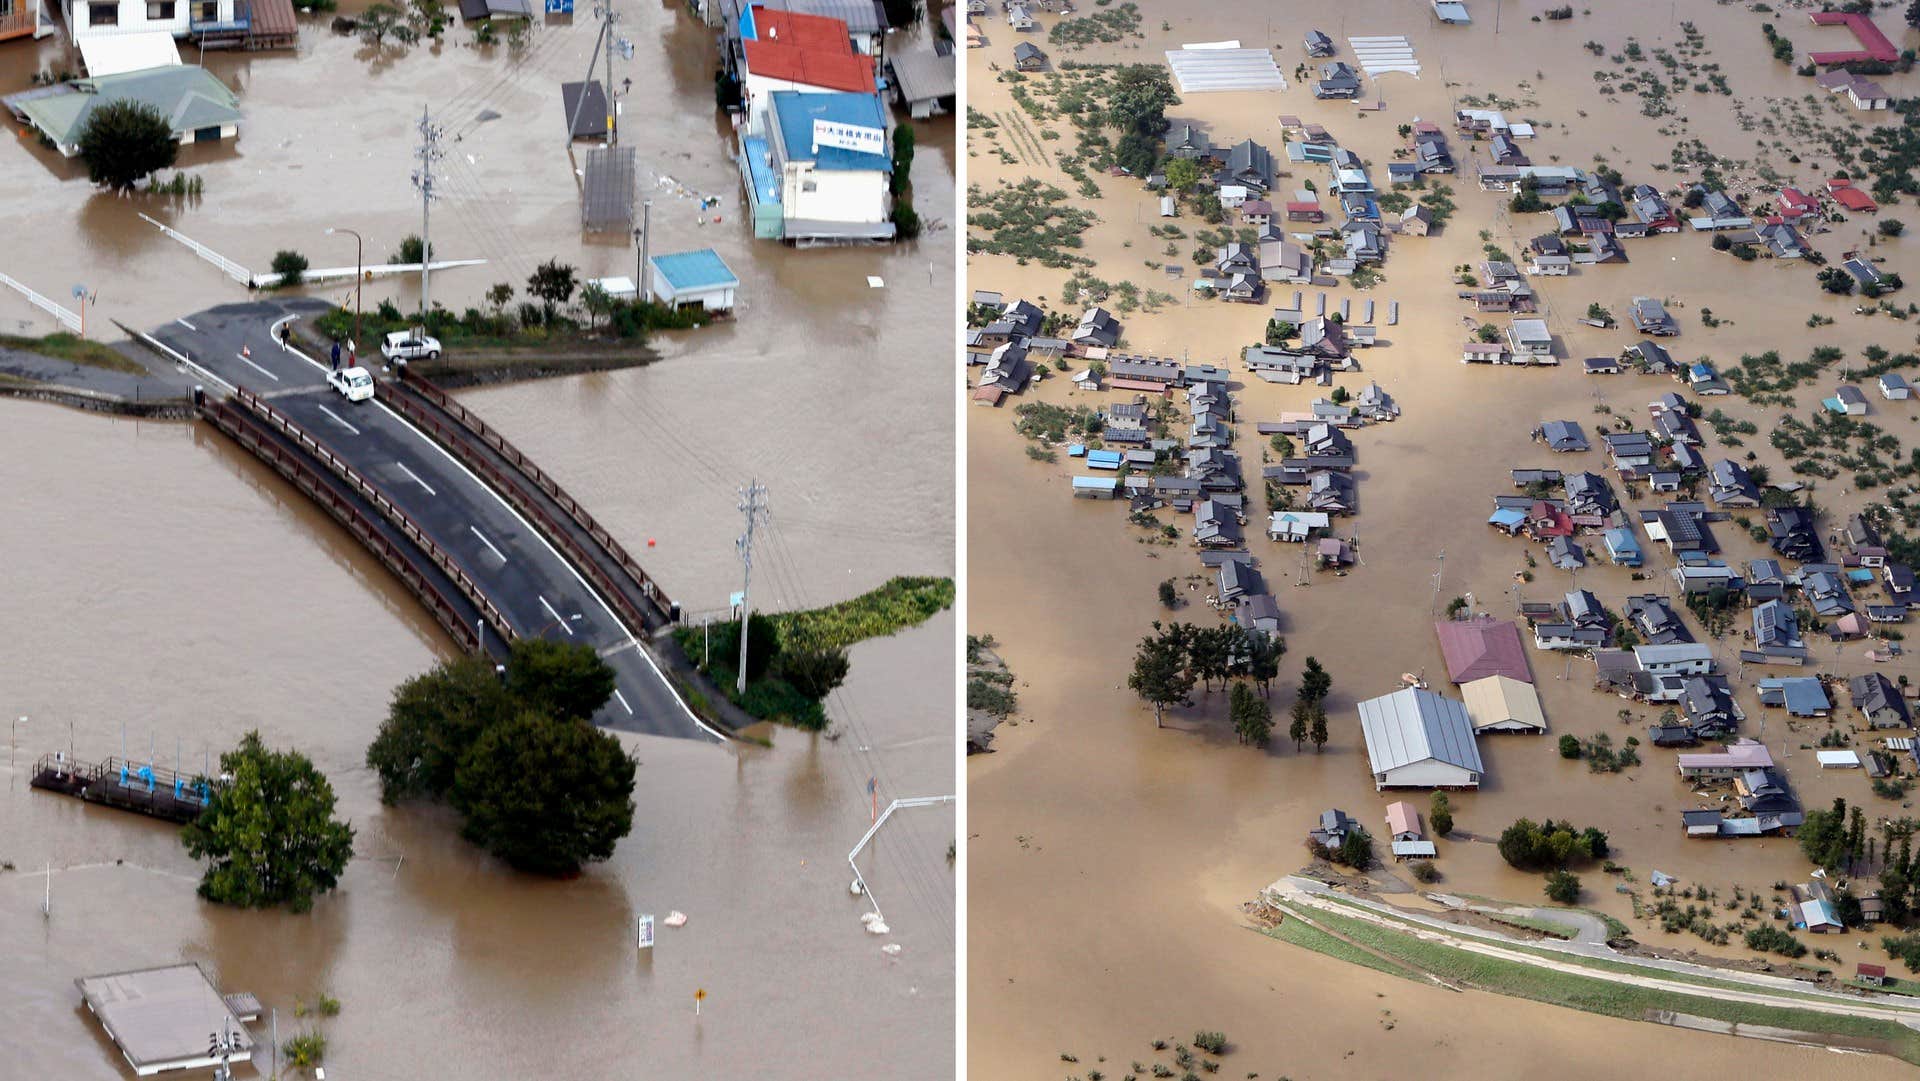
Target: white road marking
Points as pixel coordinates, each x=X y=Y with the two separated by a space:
x=338 y=419
x=244 y=359
x=623 y=701
x=416 y=479
x=564 y=625
x=188 y=325
x=497 y=552
x=544 y=543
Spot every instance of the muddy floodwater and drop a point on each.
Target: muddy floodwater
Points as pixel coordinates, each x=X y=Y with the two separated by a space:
x=1133 y=847
x=166 y=594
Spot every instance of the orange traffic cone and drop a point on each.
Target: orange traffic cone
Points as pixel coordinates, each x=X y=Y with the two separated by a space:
x=246 y=351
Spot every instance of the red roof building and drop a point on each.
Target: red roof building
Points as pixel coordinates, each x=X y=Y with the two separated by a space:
x=806 y=50
x=1305 y=212
x=1850 y=197
x=820 y=33
x=1478 y=648
x=1870 y=973
x=1794 y=203
x=1873 y=44
x=1544 y=521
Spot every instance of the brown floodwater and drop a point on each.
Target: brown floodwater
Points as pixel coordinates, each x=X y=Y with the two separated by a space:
x=1133 y=847
x=178 y=594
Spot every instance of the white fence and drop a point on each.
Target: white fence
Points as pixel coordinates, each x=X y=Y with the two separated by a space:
x=68 y=319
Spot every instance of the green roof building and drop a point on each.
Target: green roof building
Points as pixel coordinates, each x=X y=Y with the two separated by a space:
x=199 y=107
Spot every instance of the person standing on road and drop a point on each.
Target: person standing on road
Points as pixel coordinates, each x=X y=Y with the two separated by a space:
x=336 y=354
x=353 y=354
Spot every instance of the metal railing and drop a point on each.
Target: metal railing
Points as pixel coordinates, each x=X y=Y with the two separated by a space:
x=299 y=470
x=386 y=506
x=532 y=472
x=447 y=435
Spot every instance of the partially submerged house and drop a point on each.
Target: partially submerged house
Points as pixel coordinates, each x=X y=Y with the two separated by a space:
x=1481 y=647
x=1503 y=704
x=198 y=107
x=1418 y=739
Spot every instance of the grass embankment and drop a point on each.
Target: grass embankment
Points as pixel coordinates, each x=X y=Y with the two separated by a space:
x=1593 y=994
x=75 y=350
x=1550 y=928
x=1294 y=930
x=795 y=659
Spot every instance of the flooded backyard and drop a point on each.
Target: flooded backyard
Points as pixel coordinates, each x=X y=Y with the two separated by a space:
x=180 y=594
x=1139 y=845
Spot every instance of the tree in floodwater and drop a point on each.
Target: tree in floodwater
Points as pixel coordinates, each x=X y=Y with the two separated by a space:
x=125 y=141
x=1161 y=676
x=1252 y=717
x=268 y=832
x=545 y=794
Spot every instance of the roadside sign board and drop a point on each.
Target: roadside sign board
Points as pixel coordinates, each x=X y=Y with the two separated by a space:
x=646 y=932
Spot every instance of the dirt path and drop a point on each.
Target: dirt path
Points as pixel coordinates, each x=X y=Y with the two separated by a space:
x=1430 y=931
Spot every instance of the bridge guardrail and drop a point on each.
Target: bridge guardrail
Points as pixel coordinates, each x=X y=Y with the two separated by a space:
x=481 y=429
x=300 y=472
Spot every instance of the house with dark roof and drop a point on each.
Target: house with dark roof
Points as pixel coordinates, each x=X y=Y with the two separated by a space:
x=1563 y=436
x=1337 y=80
x=1656 y=621
x=1186 y=139
x=1775 y=627
x=1732 y=486
x=1589 y=496
x=1249 y=165
x=1707 y=702
x=1793 y=533
x=1319 y=44
x=1879 y=701
x=1216 y=525
x=1649 y=316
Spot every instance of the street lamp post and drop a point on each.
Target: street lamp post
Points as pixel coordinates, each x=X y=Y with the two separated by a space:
x=13 y=737
x=359 y=272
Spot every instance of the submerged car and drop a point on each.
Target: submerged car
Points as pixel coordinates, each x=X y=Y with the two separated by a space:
x=354 y=384
x=410 y=345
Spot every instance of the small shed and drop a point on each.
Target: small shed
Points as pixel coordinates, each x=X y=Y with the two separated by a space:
x=697 y=278
x=1868 y=973
x=160 y=1018
x=585 y=110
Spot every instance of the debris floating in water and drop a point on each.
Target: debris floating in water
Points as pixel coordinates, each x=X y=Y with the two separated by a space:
x=675 y=919
x=891 y=949
x=875 y=283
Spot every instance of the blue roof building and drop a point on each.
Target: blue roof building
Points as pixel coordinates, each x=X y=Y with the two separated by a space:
x=693 y=278
x=795 y=113
x=763 y=187
x=1622 y=547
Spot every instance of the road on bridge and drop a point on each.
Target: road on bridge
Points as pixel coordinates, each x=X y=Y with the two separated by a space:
x=541 y=594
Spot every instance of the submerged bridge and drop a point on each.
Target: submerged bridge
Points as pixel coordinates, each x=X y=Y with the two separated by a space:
x=489 y=543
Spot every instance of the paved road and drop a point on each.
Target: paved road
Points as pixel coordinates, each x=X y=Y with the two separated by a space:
x=539 y=592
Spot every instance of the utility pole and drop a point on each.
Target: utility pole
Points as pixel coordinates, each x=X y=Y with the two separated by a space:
x=753 y=504
x=616 y=46
x=428 y=153
x=643 y=287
